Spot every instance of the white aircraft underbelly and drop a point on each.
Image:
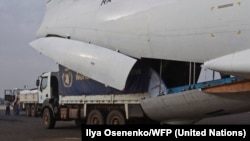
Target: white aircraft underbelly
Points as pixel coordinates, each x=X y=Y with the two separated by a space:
x=191 y=106
x=194 y=30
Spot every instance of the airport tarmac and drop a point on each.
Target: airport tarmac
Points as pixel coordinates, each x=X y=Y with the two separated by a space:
x=242 y=118
x=23 y=128
x=235 y=119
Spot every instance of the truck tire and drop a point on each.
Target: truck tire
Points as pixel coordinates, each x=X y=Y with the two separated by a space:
x=33 y=111
x=48 y=119
x=115 y=117
x=28 y=110
x=16 y=109
x=95 y=117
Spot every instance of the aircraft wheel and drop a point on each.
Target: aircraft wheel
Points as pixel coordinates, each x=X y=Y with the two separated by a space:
x=95 y=117
x=48 y=119
x=115 y=117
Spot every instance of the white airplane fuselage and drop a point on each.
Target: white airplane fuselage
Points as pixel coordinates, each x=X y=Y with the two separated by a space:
x=184 y=30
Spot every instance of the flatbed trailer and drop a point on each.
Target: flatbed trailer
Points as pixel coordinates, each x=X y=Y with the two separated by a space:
x=128 y=103
x=29 y=102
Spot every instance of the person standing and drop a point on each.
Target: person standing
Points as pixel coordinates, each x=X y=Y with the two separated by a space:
x=7 y=112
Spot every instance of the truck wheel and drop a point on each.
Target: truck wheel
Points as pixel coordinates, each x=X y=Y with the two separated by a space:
x=95 y=117
x=48 y=119
x=15 y=109
x=33 y=111
x=28 y=111
x=115 y=117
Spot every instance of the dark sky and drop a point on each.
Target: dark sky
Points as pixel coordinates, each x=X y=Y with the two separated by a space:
x=20 y=64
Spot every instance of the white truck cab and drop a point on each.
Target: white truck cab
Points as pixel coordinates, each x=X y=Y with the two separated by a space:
x=47 y=86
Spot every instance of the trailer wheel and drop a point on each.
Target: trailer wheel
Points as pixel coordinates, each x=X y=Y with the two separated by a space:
x=48 y=119
x=28 y=110
x=16 y=109
x=115 y=117
x=95 y=117
x=33 y=111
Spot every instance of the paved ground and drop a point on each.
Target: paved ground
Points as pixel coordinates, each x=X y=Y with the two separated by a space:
x=22 y=128
x=236 y=119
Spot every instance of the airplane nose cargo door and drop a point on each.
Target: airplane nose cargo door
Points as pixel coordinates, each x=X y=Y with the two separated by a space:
x=104 y=65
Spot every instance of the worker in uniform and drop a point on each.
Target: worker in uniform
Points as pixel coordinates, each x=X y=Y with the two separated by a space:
x=7 y=111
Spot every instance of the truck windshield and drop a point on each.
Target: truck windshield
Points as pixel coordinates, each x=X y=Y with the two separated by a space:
x=44 y=83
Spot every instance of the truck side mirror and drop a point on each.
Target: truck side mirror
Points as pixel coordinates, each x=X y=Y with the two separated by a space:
x=37 y=82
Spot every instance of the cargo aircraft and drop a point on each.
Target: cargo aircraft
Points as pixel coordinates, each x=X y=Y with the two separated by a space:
x=103 y=39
